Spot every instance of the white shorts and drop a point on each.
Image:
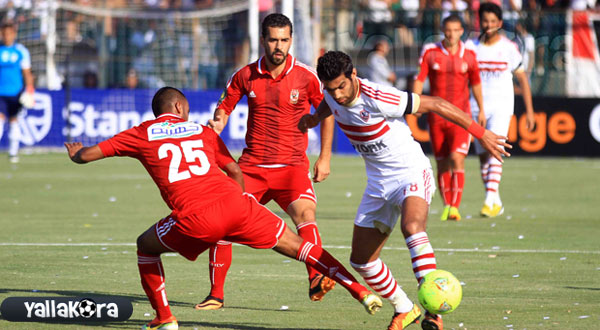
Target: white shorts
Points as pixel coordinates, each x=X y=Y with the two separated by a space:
x=498 y=121
x=381 y=207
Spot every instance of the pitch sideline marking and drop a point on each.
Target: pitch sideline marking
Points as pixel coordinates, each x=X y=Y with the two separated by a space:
x=344 y=247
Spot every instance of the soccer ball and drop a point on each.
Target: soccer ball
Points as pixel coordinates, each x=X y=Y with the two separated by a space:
x=87 y=307
x=440 y=292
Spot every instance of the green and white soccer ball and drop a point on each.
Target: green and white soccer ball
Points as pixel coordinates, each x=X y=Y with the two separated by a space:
x=440 y=292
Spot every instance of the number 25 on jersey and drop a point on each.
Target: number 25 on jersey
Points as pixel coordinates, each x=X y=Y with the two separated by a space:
x=191 y=151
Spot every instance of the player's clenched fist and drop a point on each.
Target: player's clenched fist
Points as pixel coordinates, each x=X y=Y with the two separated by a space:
x=307 y=121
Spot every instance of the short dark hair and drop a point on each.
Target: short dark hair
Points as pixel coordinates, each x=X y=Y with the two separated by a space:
x=452 y=18
x=275 y=20
x=163 y=97
x=7 y=23
x=490 y=7
x=332 y=64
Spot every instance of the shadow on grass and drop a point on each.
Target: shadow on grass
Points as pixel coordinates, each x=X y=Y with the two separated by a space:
x=230 y=326
x=136 y=324
x=581 y=288
x=134 y=298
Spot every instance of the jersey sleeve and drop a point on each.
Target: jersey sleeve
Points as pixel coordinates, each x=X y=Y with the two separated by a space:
x=424 y=66
x=233 y=93
x=474 y=76
x=222 y=154
x=315 y=90
x=392 y=102
x=125 y=143
x=516 y=59
x=26 y=58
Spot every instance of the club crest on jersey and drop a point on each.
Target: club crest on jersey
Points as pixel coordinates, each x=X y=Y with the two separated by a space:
x=294 y=95
x=167 y=130
x=364 y=115
x=465 y=67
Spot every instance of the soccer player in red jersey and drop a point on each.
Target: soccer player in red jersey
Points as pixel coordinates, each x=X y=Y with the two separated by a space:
x=280 y=90
x=451 y=68
x=185 y=160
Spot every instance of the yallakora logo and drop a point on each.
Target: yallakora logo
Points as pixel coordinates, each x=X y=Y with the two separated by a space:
x=86 y=308
x=66 y=309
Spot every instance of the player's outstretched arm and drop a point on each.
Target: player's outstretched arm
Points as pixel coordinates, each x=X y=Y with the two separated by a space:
x=310 y=121
x=219 y=121
x=493 y=143
x=81 y=155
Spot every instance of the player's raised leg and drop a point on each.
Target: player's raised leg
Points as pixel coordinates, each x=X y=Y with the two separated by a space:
x=366 y=247
x=294 y=246
x=219 y=261
x=302 y=212
x=152 y=277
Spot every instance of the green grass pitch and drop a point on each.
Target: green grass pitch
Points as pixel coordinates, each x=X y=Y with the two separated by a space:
x=535 y=267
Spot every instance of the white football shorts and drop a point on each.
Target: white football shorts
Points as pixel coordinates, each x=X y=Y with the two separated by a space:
x=381 y=204
x=498 y=121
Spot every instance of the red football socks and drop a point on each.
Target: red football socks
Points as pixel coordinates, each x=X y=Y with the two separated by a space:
x=327 y=265
x=310 y=233
x=219 y=263
x=153 y=281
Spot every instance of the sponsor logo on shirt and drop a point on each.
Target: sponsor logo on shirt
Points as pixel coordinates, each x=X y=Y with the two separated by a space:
x=364 y=115
x=167 y=130
x=294 y=95
x=436 y=66
x=251 y=94
x=465 y=67
x=370 y=148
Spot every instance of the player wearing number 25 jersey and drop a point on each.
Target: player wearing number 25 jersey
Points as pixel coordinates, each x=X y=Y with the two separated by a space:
x=185 y=160
x=160 y=146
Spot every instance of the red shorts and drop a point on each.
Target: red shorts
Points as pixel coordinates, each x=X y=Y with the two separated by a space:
x=285 y=185
x=447 y=138
x=238 y=219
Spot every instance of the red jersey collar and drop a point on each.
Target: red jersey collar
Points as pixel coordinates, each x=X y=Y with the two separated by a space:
x=461 y=49
x=290 y=61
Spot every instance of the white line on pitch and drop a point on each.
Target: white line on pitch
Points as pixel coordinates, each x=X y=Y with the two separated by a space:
x=344 y=247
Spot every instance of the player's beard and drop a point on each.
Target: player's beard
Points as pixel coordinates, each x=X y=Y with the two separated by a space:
x=277 y=61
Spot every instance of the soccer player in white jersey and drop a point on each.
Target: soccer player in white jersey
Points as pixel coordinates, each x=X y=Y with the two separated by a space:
x=400 y=181
x=499 y=59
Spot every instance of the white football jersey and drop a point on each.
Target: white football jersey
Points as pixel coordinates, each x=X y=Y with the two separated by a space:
x=497 y=63
x=375 y=125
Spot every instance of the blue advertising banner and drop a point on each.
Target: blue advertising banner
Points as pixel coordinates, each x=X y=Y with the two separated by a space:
x=95 y=115
x=565 y=127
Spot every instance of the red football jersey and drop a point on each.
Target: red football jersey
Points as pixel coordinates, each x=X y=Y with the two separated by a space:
x=183 y=158
x=275 y=108
x=449 y=74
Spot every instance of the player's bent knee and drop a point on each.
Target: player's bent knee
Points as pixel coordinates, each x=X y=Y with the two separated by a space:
x=148 y=243
x=411 y=227
x=289 y=244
